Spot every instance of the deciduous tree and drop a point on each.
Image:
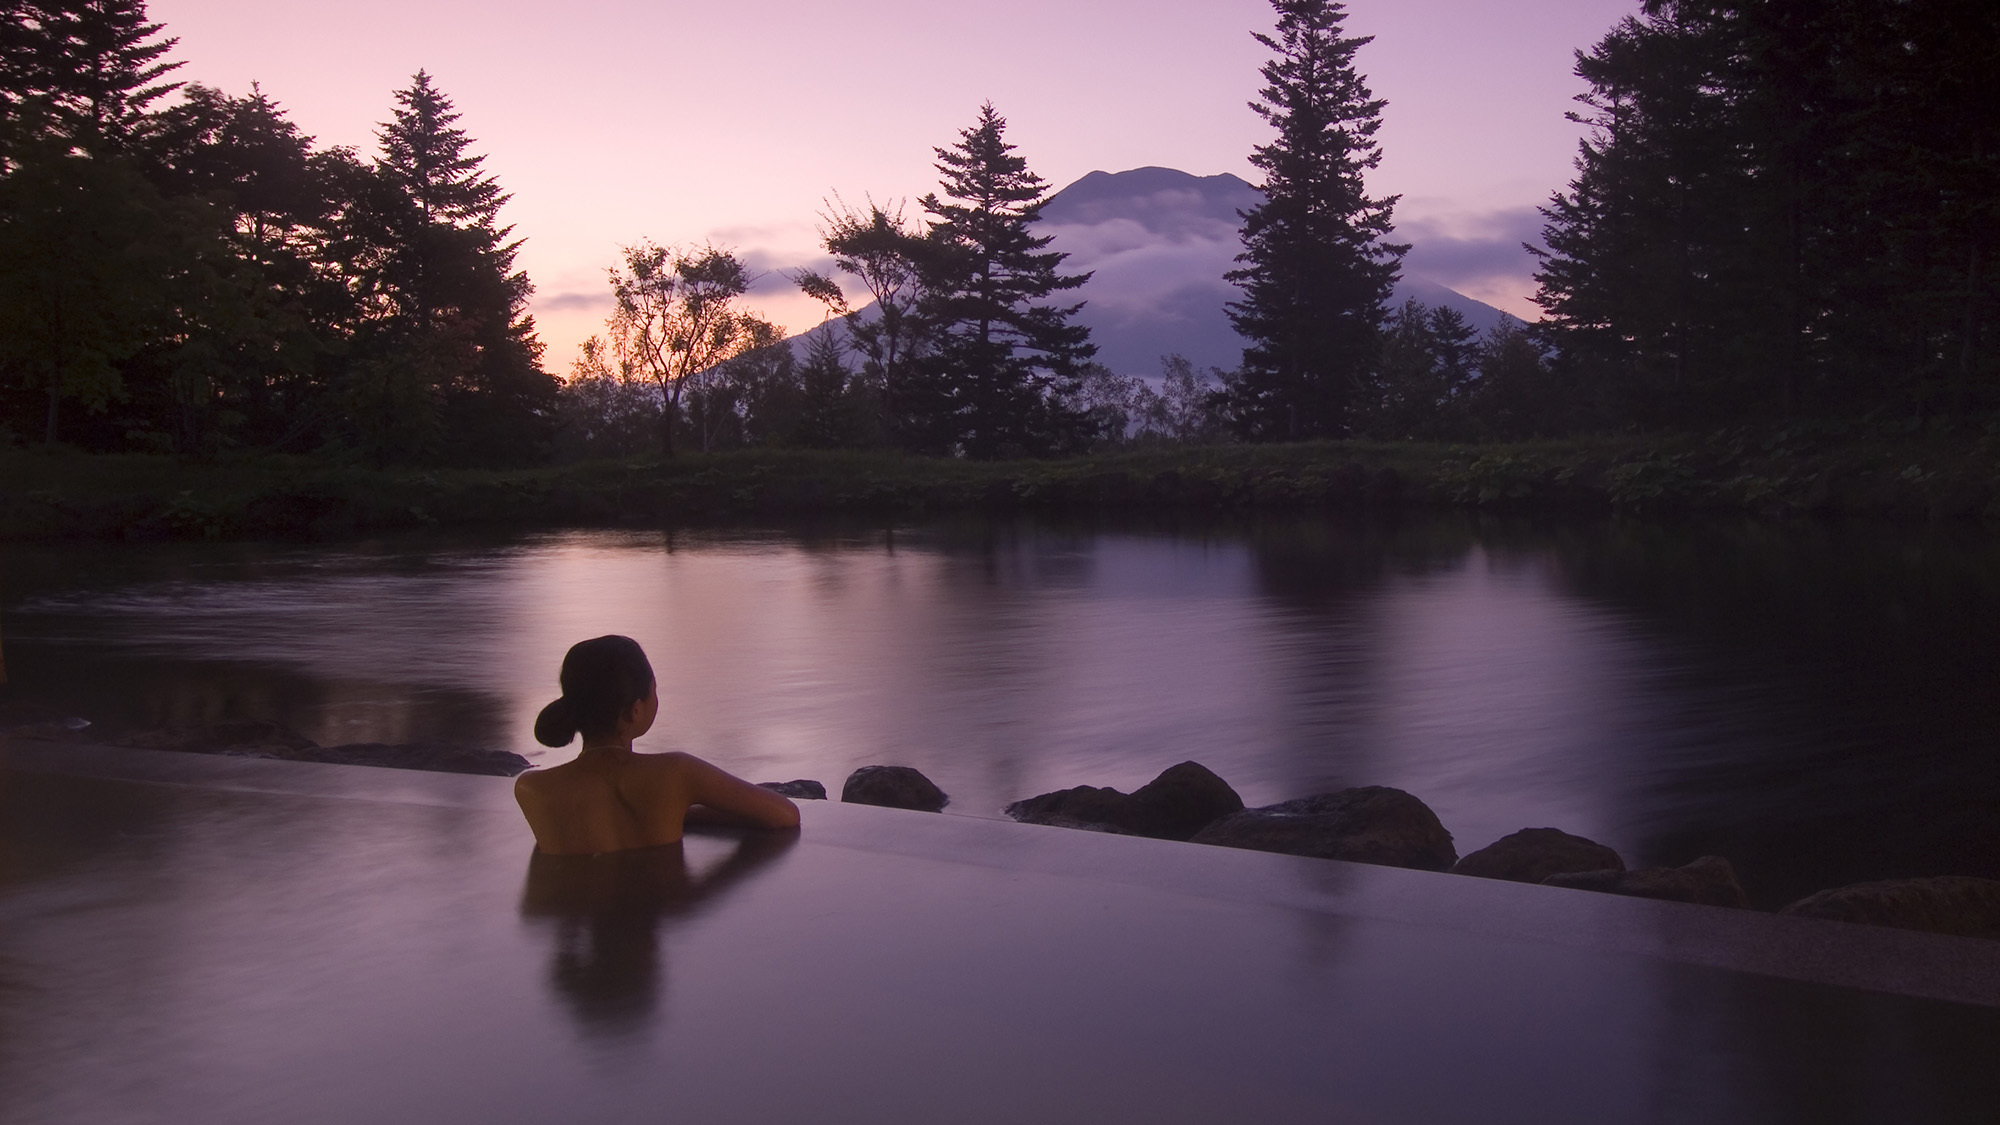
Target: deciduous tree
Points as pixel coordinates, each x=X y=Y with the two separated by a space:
x=886 y=254
x=676 y=317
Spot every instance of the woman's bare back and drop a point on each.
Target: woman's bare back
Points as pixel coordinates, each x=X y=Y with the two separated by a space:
x=612 y=799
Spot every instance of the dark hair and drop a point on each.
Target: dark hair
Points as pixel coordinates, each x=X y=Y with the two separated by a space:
x=601 y=679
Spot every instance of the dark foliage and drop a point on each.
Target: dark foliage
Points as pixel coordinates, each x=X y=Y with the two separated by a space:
x=81 y=71
x=1316 y=271
x=1000 y=356
x=196 y=276
x=448 y=366
x=1783 y=209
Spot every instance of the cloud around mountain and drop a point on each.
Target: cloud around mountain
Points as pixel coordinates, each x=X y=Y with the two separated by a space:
x=1468 y=252
x=1158 y=241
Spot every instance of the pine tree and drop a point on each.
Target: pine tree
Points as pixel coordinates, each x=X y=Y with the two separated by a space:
x=79 y=71
x=1516 y=395
x=1644 y=276
x=1316 y=272
x=254 y=343
x=827 y=418
x=1427 y=360
x=1001 y=360
x=87 y=253
x=451 y=364
x=92 y=250
x=1782 y=208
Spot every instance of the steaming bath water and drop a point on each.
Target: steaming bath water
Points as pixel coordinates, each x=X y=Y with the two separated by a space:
x=1815 y=703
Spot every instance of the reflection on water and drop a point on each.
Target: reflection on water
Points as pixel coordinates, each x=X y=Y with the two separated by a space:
x=1814 y=702
x=606 y=914
x=273 y=957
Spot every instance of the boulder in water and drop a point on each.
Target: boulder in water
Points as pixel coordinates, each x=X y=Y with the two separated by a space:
x=1708 y=881
x=1945 y=904
x=1084 y=806
x=895 y=787
x=801 y=790
x=1371 y=824
x=1533 y=854
x=1173 y=806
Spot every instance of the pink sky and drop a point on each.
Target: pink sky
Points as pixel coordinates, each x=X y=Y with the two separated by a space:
x=613 y=121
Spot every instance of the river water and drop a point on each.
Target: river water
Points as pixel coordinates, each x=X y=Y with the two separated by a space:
x=1820 y=704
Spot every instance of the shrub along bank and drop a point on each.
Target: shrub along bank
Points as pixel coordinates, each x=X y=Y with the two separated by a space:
x=1904 y=471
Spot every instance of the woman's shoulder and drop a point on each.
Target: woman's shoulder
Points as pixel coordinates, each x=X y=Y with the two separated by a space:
x=541 y=776
x=549 y=781
x=538 y=783
x=648 y=772
x=668 y=767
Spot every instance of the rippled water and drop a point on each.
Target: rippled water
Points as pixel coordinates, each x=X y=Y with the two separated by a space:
x=1822 y=705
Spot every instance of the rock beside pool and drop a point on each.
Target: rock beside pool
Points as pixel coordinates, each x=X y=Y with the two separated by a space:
x=895 y=787
x=1183 y=800
x=1173 y=806
x=1946 y=904
x=1708 y=881
x=1371 y=824
x=803 y=789
x=1533 y=854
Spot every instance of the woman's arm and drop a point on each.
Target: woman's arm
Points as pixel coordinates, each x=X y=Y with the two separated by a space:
x=716 y=796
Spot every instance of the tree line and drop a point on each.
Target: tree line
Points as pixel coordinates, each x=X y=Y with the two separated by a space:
x=955 y=332
x=195 y=275
x=1780 y=209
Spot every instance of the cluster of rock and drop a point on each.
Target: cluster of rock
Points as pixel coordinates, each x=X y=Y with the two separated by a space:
x=1369 y=824
x=259 y=738
x=893 y=787
x=1380 y=825
x=1946 y=904
x=800 y=790
x=1173 y=806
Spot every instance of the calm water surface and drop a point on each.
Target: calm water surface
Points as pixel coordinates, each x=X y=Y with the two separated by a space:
x=1820 y=704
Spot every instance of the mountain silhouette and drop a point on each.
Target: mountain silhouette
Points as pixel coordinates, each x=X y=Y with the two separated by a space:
x=1157 y=242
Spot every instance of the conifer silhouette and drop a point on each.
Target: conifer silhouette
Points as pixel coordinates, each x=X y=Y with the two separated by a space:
x=1316 y=272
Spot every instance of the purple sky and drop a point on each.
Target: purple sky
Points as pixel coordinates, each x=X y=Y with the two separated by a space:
x=616 y=120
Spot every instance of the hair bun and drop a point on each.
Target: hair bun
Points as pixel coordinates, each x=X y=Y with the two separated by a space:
x=556 y=725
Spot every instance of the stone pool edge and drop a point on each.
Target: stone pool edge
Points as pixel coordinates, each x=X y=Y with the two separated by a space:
x=1905 y=963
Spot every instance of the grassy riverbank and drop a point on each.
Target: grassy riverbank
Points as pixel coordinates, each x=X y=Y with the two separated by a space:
x=1895 y=471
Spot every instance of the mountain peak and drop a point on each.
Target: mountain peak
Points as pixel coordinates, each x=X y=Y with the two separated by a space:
x=1157 y=242
x=1163 y=200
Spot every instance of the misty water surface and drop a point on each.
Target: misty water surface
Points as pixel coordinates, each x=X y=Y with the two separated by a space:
x=1818 y=704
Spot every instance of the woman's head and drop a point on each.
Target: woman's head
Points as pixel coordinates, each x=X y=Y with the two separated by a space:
x=601 y=679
